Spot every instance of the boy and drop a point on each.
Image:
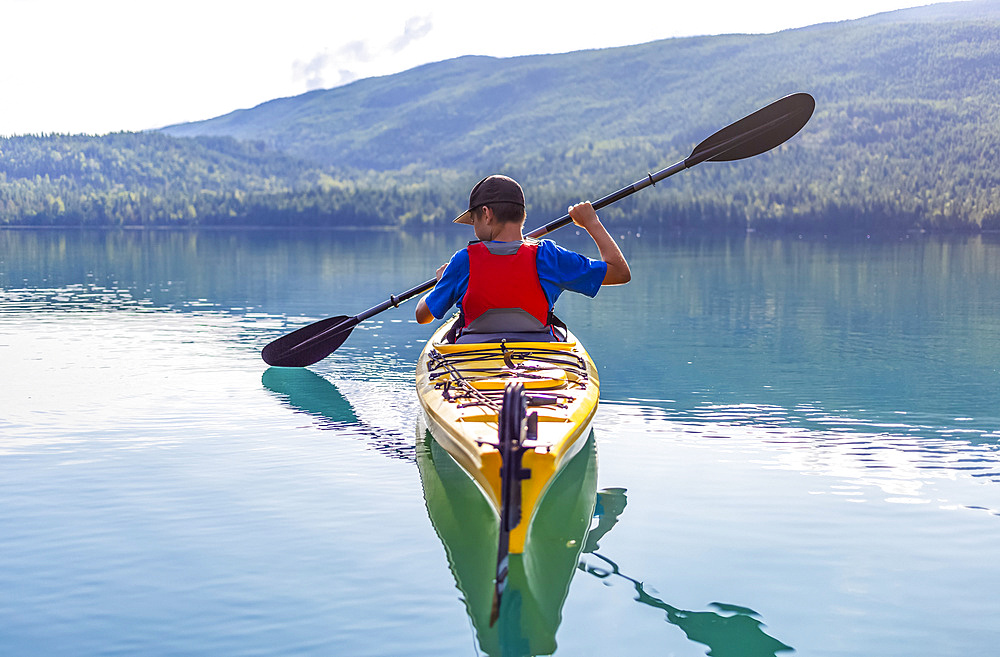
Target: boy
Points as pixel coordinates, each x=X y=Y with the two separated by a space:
x=505 y=285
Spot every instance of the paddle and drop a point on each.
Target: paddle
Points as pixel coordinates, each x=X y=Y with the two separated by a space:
x=757 y=133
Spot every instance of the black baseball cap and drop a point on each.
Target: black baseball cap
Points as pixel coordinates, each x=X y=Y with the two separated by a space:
x=492 y=189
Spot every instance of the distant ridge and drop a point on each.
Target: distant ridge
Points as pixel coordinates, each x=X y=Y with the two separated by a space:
x=450 y=112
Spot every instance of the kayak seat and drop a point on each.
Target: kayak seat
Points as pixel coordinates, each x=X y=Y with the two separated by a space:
x=510 y=324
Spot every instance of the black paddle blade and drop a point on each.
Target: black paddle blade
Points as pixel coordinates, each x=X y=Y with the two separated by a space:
x=309 y=344
x=757 y=133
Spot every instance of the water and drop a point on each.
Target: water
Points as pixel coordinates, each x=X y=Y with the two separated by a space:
x=798 y=448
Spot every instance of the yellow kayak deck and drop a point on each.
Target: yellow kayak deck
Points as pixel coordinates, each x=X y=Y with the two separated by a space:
x=461 y=387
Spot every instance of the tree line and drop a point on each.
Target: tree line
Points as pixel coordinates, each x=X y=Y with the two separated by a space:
x=149 y=179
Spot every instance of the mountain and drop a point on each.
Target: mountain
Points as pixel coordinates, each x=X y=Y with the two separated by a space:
x=460 y=111
x=906 y=132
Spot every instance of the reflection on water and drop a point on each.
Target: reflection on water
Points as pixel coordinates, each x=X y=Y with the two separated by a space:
x=259 y=271
x=732 y=631
x=538 y=580
x=307 y=392
x=736 y=634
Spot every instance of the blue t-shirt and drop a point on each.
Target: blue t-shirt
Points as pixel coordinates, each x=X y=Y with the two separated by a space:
x=558 y=269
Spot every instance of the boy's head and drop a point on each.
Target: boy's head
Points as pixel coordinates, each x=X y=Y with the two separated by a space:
x=502 y=194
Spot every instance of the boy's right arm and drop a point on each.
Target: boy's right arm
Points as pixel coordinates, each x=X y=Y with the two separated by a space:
x=584 y=215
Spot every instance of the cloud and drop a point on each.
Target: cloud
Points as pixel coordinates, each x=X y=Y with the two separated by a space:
x=312 y=71
x=356 y=51
x=415 y=29
x=341 y=66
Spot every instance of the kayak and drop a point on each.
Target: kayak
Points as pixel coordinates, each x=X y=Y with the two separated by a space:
x=511 y=414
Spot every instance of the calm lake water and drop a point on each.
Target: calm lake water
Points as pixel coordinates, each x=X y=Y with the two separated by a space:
x=797 y=449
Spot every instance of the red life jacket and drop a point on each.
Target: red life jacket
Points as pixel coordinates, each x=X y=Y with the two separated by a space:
x=504 y=281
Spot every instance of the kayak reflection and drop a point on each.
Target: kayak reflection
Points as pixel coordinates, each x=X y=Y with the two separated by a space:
x=306 y=392
x=538 y=579
x=732 y=631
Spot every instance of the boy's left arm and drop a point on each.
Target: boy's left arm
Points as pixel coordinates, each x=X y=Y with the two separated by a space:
x=423 y=312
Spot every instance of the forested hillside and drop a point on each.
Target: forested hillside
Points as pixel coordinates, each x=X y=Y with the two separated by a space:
x=152 y=179
x=906 y=135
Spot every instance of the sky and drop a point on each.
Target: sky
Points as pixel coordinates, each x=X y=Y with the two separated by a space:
x=99 y=66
